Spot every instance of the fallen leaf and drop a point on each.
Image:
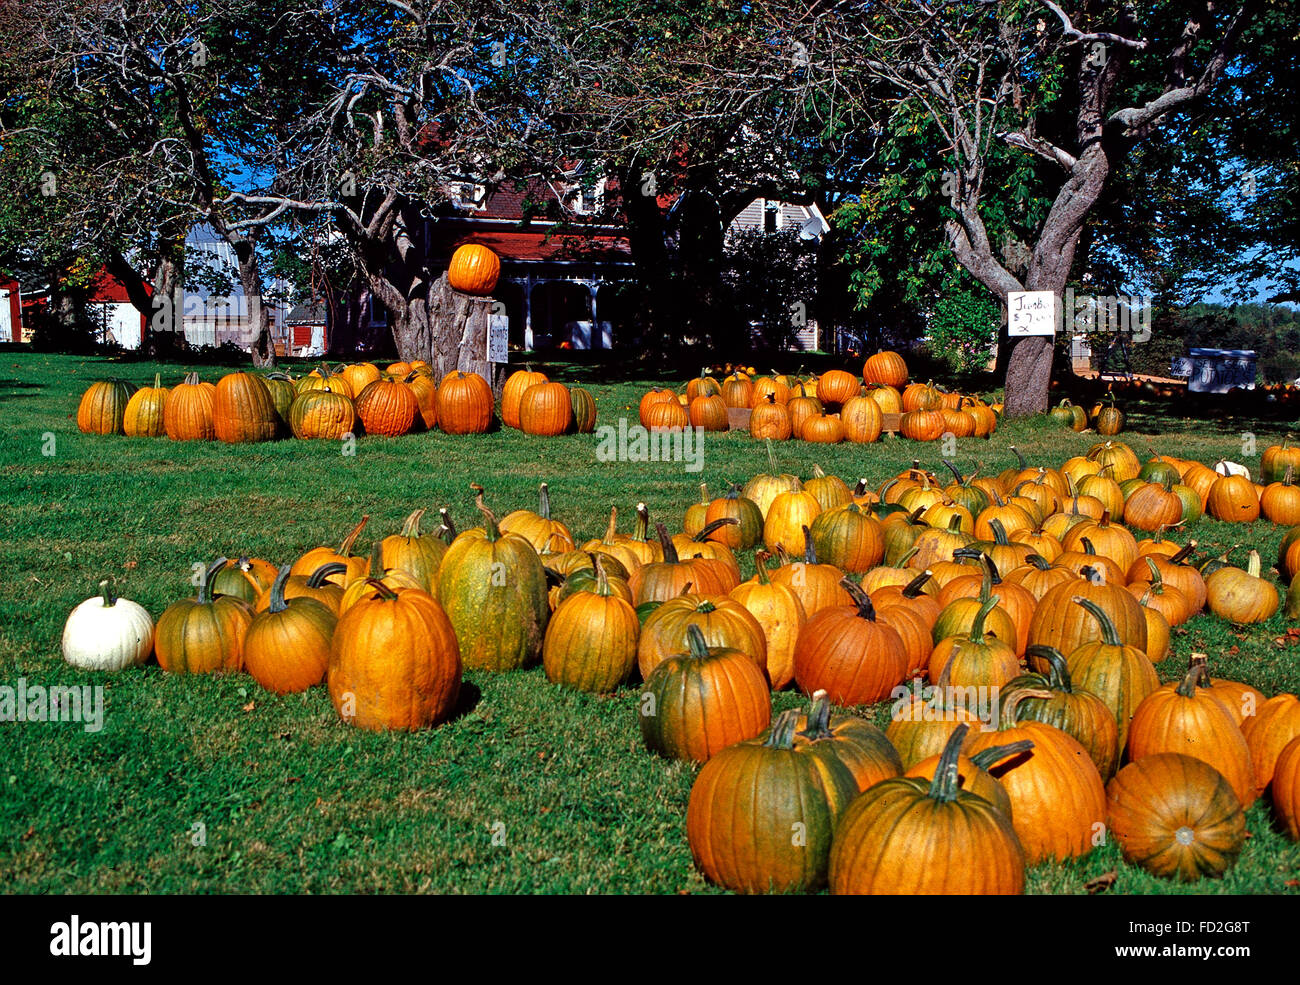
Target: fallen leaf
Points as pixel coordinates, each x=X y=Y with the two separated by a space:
x=250 y=706
x=1102 y=883
x=29 y=832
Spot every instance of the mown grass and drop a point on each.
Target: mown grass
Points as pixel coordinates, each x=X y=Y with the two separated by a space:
x=531 y=788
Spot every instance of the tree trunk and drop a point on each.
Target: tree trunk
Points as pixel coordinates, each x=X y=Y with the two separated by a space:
x=261 y=344
x=459 y=324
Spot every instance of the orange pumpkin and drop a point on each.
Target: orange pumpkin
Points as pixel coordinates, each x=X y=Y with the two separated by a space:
x=474 y=269
x=465 y=403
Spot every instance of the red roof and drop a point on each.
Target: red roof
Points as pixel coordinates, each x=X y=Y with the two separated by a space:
x=106 y=287
x=524 y=246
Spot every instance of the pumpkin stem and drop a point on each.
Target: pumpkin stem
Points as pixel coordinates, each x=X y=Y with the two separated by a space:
x=1184 y=553
x=448 y=529
x=377 y=559
x=809 y=549
x=1157 y=583
x=345 y=549
x=317 y=578
x=1253 y=564
x=602 y=579
x=860 y=598
x=1038 y=561
x=642 y=532
x=385 y=593
x=209 y=576
x=1019 y=457
x=996 y=754
x=977 y=626
x=771 y=456
x=760 y=567
x=913 y=588
x=953 y=469
x=1012 y=699
x=670 y=552
x=1109 y=635
x=107 y=593
x=698 y=648
x=544 y=502
x=944 y=787
x=278 y=604
x=1058 y=673
x=490 y=526
x=818 y=721
x=1196 y=672
x=411 y=528
x=782 y=734
x=713 y=525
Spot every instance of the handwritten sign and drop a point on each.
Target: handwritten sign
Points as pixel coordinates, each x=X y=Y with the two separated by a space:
x=1031 y=313
x=498 y=335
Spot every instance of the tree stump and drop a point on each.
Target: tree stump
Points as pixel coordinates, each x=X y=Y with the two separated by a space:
x=460 y=333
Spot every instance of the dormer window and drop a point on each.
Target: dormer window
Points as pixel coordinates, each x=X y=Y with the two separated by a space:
x=466 y=195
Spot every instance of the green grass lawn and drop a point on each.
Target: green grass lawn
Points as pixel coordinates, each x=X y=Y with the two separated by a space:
x=209 y=784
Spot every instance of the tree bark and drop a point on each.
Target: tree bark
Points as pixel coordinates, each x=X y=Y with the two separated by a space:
x=460 y=325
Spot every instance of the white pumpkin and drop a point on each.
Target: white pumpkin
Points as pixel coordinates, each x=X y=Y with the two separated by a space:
x=107 y=633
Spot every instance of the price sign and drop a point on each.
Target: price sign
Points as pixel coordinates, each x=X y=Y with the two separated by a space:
x=1031 y=313
x=498 y=335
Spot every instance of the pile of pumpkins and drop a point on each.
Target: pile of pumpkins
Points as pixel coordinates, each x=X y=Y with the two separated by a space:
x=325 y=403
x=1104 y=418
x=534 y=404
x=833 y=407
x=1037 y=626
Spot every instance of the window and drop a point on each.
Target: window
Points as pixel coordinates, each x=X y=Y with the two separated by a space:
x=466 y=195
x=771 y=218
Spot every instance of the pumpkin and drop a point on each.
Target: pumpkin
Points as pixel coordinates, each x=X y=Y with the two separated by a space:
x=394 y=661
x=738 y=392
x=862 y=420
x=801 y=407
x=464 y=403
x=1286 y=789
x=205 y=634
x=853 y=741
x=325 y=379
x=708 y=413
x=512 y=394
x=282 y=393
x=836 y=387
x=972 y=773
x=1075 y=711
x=106 y=632
x=889 y=399
x=658 y=581
x=313 y=586
x=846 y=652
x=764 y=488
x=747 y=529
x=102 y=409
x=546 y=410
x=849 y=537
x=146 y=411
x=591 y=641
x=1167 y=600
x=242 y=409
x=1120 y=457
x=1153 y=505
x=419 y=555
x=763 y=812
x=246 y=578
x=1059 y=622
x=770 y=420
x=785 y=519
x=354 y=567
x=1175 y=817
x=1274 y=725
x=650 y=399
x=922 y=720
x=322 y=414
x=699 y=702
x=1276 y=459
x=188 y=414
x=358 y=376
x=824 y=429
x=923 y=425
x=780 y=613
x=493 y=588
x=724 y=623
x=1187 y=718
x=287 y=647
x=775 y=387
x=388 y=408
x=1233 y=498
x=1279 y=502
x=1241 y=597
x=547 y=536
x=975 y=659
x=426 y=399
x=1058 y=801
x=584 y=410
x=474 y=269
x=886 y=368
x=667 y=416
x=912 y=836
x=1109 y=421
x=1120 y=674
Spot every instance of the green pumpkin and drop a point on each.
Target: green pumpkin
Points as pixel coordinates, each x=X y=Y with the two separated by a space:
x=1191 y=501
x=1063 y=413
x=493 y=588
x=584 y=410
x=282 y=394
